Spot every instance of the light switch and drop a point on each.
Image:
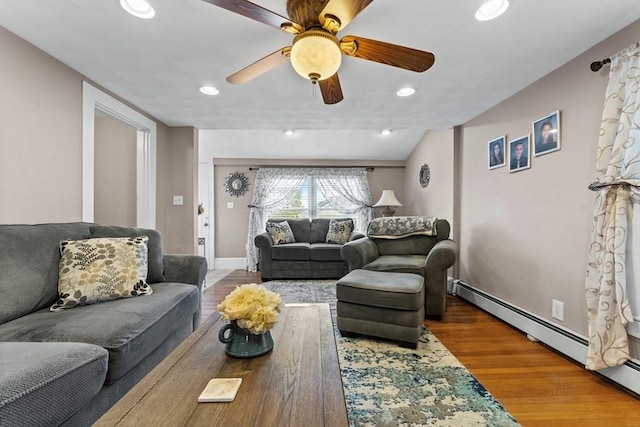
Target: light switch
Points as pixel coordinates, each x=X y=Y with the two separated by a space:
x=178 y=201
x=230 y=205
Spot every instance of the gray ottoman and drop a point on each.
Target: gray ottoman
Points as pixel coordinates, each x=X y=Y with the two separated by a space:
x=381 y=304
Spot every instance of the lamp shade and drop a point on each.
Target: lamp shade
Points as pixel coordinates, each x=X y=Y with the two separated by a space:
x=388 y=198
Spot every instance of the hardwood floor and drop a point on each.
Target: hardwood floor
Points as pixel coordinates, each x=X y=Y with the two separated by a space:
x=534 y=383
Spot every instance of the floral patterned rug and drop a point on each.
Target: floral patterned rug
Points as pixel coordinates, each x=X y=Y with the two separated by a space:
x=386 y=385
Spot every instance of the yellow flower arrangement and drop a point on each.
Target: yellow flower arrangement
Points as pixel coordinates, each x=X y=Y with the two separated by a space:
x=252 y=306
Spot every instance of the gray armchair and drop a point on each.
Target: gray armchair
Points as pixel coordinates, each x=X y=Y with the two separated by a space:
x=407 y=249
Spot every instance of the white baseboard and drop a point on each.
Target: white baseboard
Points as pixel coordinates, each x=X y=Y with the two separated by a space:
x=555 y=336
x=230 y=263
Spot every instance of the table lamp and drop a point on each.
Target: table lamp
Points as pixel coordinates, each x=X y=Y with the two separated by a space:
x=388 y=199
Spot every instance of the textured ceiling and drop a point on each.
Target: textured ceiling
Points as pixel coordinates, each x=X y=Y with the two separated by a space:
x=159 y=64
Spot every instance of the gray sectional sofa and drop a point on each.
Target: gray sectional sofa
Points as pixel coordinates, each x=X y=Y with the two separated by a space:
x=71 y=366
x=309 y=257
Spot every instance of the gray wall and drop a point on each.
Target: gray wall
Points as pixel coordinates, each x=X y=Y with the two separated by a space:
x=524 y=237
x=114 y=196
x=41 y=148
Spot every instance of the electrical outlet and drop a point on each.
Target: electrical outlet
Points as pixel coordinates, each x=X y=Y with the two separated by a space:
x=557 y=309
x=178 y=201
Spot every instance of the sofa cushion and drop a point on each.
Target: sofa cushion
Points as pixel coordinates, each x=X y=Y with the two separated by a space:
x=325 y=252
x=44 y=384
x=101 y=269
x=298 y=251
x=399 y=291
x=156 y=265
x=130 y=328
x=339 y=231
x=280 y=232
x=412 y=245
x=29 y=258
x=319 y=229
x=399 y=264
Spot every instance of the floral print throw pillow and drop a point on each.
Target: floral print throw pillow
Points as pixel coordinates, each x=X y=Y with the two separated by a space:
x=101 y=269
x=339 y=231
x=280 y=232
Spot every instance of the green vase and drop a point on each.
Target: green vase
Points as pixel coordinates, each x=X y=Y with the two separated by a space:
x=242 y=343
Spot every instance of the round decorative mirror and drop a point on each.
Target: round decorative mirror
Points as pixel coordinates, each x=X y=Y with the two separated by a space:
x=425 y=175
x=236 y=184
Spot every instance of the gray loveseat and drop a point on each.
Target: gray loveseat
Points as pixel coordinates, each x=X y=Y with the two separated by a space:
x=69 y=367
x=309 y=257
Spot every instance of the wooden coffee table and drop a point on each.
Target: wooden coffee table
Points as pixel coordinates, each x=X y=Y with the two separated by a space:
x=297 y=384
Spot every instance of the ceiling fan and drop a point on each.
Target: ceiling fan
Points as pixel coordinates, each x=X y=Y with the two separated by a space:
x=316 y=52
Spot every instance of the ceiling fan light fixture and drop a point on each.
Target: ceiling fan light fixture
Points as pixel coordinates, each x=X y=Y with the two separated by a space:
x=491 y=9
x=138 y=8
x=316 y=55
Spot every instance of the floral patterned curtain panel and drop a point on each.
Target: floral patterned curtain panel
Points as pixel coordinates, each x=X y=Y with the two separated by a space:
x=617 y=186
x=273 y=187
x=347 y=189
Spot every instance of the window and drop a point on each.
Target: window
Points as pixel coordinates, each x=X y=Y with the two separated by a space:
x=310 y=202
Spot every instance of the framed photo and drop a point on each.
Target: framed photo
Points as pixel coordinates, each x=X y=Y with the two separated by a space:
x=519 y=153
x=546 y=134
x=495 y=153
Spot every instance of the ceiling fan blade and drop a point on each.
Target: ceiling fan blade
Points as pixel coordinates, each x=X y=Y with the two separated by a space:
x=344 y=10
x=255 y=12
x=331 y=90
x=261 y=66
x=387 y=53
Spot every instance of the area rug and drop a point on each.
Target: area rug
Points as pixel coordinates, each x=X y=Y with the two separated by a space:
x=387 y=385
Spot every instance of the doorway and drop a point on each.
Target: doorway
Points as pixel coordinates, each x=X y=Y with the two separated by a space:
x=93 y=100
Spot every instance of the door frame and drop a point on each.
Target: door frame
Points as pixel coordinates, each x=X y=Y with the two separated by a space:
x=205 y=173
x=92 y=99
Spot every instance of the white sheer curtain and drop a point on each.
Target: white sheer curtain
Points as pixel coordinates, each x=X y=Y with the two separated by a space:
x=347 y=189
x=617 y=186
x=274 y=187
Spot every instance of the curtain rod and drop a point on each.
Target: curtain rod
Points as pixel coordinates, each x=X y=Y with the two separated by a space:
x=596 y=65
x=369 y=168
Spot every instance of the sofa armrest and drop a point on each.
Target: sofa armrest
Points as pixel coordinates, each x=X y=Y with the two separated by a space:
x=355 y=235
x=190 y=269
x=357 y=253
x=442 y=256
x=264 y=242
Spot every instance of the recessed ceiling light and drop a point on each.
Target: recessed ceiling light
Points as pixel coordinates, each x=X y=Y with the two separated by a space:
x=209 y=90
x=406 y=91
x=289 y=132
x=386 y=132
x=139 y=8
x=491 y=9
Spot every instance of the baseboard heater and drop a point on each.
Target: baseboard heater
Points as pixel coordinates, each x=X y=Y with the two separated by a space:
x=560 y=339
